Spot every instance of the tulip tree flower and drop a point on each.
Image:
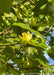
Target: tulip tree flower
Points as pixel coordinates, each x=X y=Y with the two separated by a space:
x=27 y=36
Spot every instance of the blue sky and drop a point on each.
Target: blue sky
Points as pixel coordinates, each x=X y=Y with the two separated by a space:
x=51 y=61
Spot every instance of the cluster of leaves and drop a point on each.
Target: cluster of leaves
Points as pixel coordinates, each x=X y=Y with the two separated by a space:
x=22 y=42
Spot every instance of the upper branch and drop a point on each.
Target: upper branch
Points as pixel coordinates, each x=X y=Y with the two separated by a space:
x=31 y=1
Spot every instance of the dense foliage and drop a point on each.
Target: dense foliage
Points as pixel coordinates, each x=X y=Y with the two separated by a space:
x=24 y=27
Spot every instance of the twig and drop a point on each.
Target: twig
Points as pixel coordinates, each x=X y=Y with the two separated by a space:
x=18 y=50
x=33 y=68
x=1 y=53
x=20 y=3
x=31 y=1
x=5 y=30
x=52 y=16
x=1 y=61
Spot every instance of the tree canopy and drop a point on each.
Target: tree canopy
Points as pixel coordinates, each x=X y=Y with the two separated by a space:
x=24 y=28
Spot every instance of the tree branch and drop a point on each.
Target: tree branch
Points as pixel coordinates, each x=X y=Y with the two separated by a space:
x=32 y=68
x=52 y=16
x=5 y=30
x=31 y=1
x=27 y=68
x=13 y=68
x=1 y=53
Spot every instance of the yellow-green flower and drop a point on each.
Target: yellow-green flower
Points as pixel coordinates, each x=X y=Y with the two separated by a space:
x=27 y=36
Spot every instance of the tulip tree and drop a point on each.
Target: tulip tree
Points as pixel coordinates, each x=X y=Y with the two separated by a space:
x=23 y=25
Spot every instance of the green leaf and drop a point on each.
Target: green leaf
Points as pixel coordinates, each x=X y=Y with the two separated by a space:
x=39 y=35
x=22 y=25
x=52 y=1
x=26 y=26
x=18 y=1
x=32 y=50
x=13 y=16
x=51 y=52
